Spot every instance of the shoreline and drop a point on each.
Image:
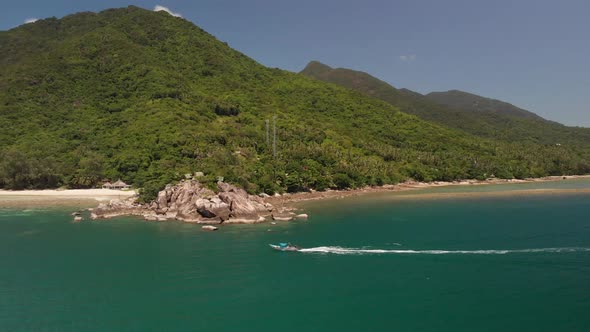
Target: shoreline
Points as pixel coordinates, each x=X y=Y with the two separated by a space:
x=60 y=197
x=90 y=197
x=289 y=200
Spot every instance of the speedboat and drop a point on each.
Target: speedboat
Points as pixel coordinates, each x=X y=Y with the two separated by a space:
x=284 y=247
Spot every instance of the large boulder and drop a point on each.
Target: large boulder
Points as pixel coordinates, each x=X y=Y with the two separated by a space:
x=162 y=200
x=213 y=208
x=241 y=205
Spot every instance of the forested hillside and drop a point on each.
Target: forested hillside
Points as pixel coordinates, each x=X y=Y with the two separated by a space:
x=469 y=102
x=473 y=114
x=147 y=97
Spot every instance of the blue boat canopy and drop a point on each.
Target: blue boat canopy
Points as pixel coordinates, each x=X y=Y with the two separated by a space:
x=283 y=245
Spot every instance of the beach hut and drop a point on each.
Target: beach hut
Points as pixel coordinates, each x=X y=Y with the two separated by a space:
x=120 y=185
x=107 y=185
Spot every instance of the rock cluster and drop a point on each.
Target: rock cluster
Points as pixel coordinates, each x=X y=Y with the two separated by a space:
x=116 y=208
x=190 y=201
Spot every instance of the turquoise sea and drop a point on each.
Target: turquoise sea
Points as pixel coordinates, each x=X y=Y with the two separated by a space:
x=374 y=263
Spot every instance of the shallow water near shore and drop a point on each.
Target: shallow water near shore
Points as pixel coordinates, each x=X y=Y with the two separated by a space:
x=481 y=263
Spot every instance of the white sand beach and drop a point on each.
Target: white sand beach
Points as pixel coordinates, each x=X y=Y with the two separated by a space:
x=61 y=197
x=98 y=194
x=289 y=199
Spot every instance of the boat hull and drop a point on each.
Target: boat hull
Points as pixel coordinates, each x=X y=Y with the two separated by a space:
x=279 y=248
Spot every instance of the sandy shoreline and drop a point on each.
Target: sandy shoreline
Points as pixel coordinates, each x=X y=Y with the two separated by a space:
x=70 y=193
x=90 y=197
x=291 y=199
x=59 y=197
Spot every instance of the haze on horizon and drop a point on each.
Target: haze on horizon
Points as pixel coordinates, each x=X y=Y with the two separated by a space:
x=532 y=54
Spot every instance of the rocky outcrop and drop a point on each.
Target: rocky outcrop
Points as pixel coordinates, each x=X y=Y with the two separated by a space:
x=243 y=207
x=190 y=201
x=117 y=208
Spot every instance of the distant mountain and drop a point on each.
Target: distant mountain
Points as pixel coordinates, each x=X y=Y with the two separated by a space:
x=469 y=102
x=356 y=80
x=476 y=115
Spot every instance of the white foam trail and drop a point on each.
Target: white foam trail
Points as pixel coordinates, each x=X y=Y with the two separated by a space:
x=359 y=251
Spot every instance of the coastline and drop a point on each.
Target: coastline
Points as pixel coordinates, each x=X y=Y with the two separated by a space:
x=290 y=200
x=60 y=197
x=88 y=198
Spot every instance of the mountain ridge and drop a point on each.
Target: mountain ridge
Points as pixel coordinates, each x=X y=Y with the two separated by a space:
x=489 y=118
x=472 y=102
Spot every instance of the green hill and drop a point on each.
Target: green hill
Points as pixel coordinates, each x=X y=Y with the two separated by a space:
x=147 y=97
x=469 y=102
x=476 y=115
x=356 y=80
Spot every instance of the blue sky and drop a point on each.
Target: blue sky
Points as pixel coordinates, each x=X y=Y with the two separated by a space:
x=532 y=53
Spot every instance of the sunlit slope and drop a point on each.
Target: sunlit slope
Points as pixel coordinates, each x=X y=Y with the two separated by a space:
x=147 y=97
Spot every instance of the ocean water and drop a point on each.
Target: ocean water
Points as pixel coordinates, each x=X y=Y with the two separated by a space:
x=501 y=263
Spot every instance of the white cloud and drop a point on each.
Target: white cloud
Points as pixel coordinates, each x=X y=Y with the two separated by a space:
x=167 y=10
x=409 y=57
x=31 y=20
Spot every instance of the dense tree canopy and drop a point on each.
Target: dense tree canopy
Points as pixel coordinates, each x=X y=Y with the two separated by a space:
x=147 y=97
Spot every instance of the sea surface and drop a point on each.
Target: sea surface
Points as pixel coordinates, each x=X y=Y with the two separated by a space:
x=477 y=263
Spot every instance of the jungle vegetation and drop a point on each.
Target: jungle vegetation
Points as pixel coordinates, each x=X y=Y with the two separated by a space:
x=146 y=97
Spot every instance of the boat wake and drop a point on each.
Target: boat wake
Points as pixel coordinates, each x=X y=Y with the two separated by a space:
x=361 y=251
